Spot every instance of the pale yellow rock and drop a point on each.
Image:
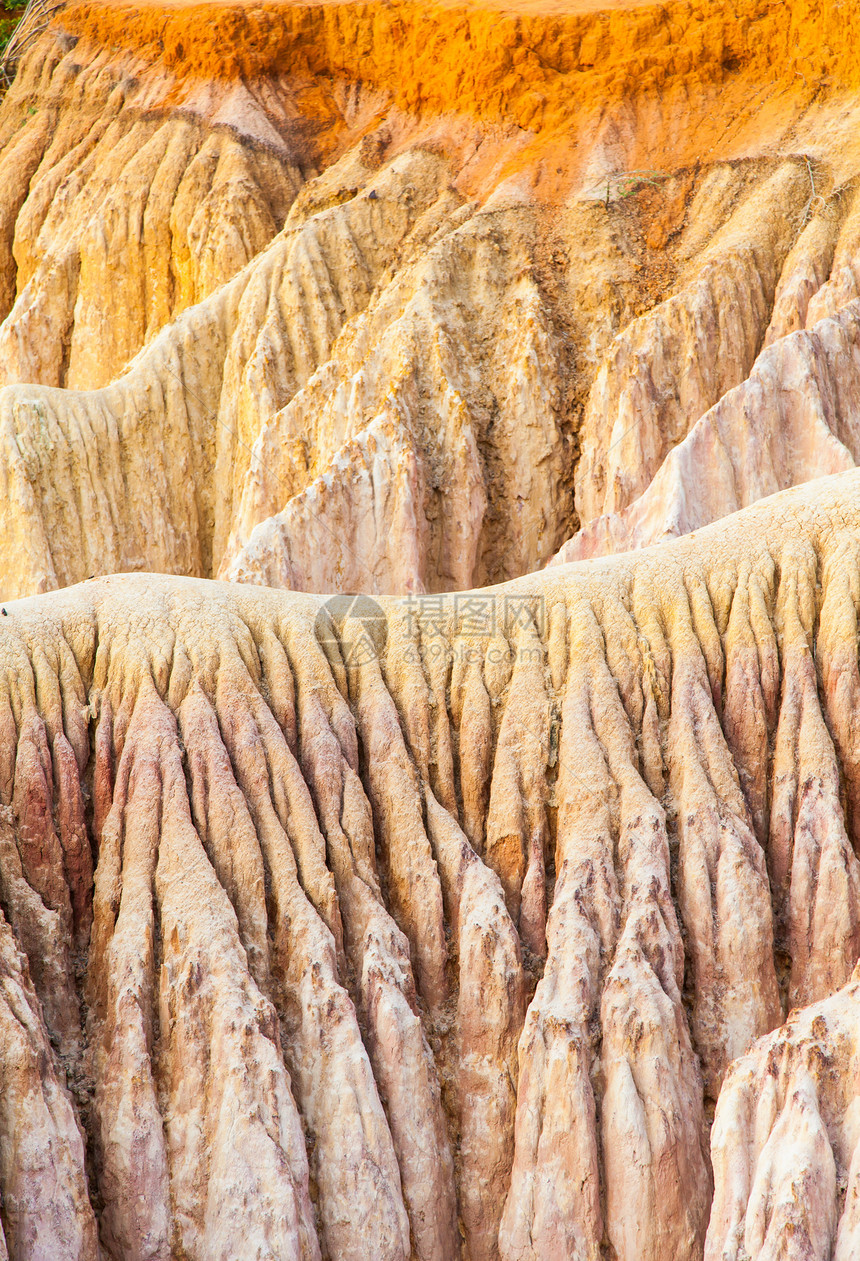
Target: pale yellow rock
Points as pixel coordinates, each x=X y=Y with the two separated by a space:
x=156 y=212
x=331 y=366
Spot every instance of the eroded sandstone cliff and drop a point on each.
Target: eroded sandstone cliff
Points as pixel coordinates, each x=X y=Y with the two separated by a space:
x=438 y=924
x=383 y=298
x=501 y=923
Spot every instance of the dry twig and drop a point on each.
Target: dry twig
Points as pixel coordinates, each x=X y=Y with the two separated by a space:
x=34 y=20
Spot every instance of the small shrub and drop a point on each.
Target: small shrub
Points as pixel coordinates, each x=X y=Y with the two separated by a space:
x=623 y=184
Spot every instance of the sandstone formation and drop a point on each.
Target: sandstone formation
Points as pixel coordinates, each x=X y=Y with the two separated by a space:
x=512 y=914
x=443 y=931
x=276 y=310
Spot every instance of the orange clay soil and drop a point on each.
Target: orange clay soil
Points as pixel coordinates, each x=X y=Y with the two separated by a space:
x=551 y=67
x=583 y=87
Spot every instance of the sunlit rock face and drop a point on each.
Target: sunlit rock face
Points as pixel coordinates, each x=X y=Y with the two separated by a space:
x=375 y=883
x=441 y=922
x=386 y=299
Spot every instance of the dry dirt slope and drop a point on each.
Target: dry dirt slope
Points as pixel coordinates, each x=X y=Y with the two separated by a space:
x=462 y=284
x=438 y=931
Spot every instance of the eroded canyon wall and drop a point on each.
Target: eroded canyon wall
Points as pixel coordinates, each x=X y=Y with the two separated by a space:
x=337 y=298
x=501 y=923
x=438 y=922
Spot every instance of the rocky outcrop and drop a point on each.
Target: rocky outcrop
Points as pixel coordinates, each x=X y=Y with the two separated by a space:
x=784 y=1142
x=467 y=922
x=116 y=218
x=795 y=418
x=654 y=474
x=658 y=379
x=385 y=332
x=439 y=922
x=265 y=393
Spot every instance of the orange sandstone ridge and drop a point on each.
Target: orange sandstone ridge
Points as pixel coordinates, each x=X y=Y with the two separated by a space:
x=371 y=327
x=701 y=73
